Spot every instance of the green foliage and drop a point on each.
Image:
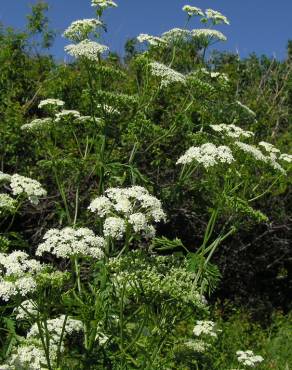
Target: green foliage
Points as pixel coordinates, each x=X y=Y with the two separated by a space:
x=134 y=303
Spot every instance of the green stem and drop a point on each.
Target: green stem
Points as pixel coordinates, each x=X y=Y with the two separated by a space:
x=77 y=272
x=266 y=191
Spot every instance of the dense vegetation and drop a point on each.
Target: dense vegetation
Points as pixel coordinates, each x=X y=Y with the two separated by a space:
x=145 y=203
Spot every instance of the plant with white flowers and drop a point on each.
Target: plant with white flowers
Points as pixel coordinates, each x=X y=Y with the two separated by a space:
x=248 y=358
x=205 y=328
x=128 y=211
x=28 y=187
x=17 y=275
x=168 y=75
x=69 y=242
x=54 y=103
x=192 y=10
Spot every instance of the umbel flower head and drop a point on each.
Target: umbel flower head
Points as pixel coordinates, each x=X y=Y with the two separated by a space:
x=216 y=17
x=286 y=157
x=103 y=4
x=176 y=34
x=204 y=327
x=65 y=114
x=4 y=177
x=207 y=154
x=29 y=187
x=122 y=207
x=26 y=356
x=38 y=124
x=87 y=49
x=7 y=204
x=232 y=131
x=17 y=274
x=151 y=40
x=168 y=75
x=192 y=10
x=51 y=103
x=81 y=29
x=248 y=358
x=70 y=242
x=209 y=35
x=26 y=310
x=271 y=159
x=55 y=328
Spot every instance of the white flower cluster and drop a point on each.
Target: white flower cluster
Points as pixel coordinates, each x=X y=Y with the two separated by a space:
x=152 y=40
x=248 y=358
x=209 y=34
x=18 y=263
x=115 y=227
x=26 y=310
x=7 y=204
x=179 y=34
x=86 y=49
x=16 y=274
x=246 y=108
x=81 y=29
x=216 y=16
x=168 y=75
x=205 y=327
x=286 y=157
x=270 y=159
x=67 y=114
x=58 y=328
x=270 y=148
x=274 y=153
x=128 y=206
x=26 y=357
x=176 y=34
x=51 y=103
x=103 y=4
x=70 y=242
x=55 y=328
x=4 y=177
x=83 y=119
x=25 y=185
x=37 y=124
x=207 y=154
x=198 y=346
x=192 y=10
x=232 y=131
x=251 y=149
x=30 y=356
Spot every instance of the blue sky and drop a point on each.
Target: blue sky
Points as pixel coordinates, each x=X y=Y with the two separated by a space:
x=261 y=26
